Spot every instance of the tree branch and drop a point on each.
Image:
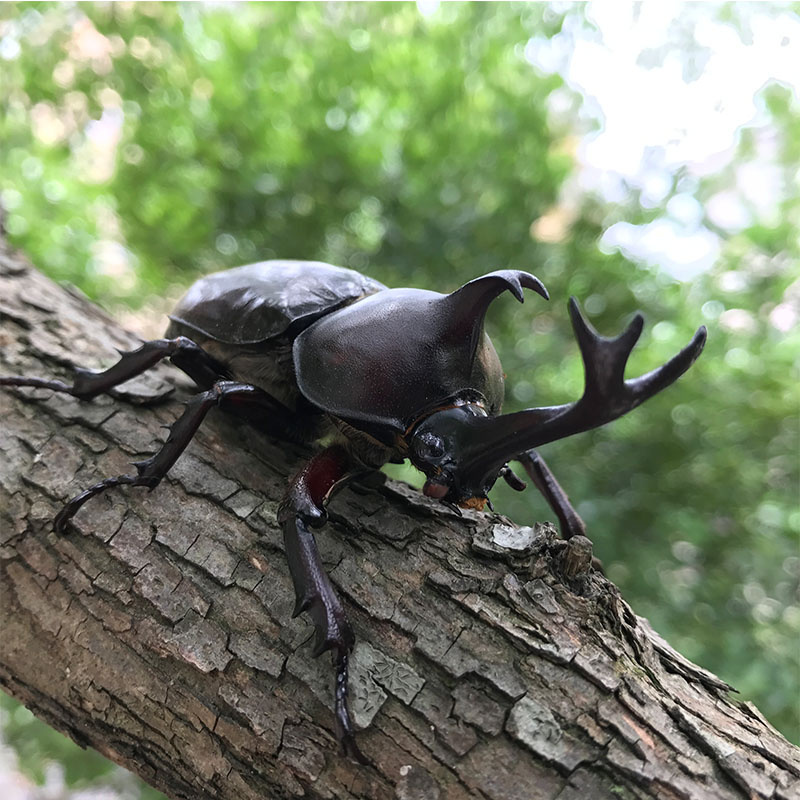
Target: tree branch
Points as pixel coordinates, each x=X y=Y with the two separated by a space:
x=158 y=631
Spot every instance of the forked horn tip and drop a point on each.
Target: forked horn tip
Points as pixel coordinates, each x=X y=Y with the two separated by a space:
x=515 y=287
x=634 y=330
x=532 y=282
x=516 y=280
x=699 y=340
x=579 y=323
x=701 y=334
x=662 y=377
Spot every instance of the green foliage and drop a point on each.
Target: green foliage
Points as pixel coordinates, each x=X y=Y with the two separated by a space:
x=358 y=133
x=146 y=143
x=36 y=746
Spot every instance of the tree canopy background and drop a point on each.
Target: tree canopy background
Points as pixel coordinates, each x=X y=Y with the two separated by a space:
x=143 y=144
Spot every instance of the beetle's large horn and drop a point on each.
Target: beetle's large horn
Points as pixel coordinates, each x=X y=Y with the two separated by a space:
x=465 y=308
x=394 y=355
x=606 y=397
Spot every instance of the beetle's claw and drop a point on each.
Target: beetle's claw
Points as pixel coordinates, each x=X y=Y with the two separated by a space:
x=62 y=518
x=453 y=507
x=302 y=604
x=331 y=634
x=350 y=749
x=345 y=732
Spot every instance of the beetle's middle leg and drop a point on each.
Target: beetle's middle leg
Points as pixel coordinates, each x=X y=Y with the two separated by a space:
x=569 y=520
x=150 y=471
x=301 y=509
x=182 y=351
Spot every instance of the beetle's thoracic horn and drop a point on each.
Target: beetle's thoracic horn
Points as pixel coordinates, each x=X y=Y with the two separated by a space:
x=396 y=354
x=606 y=396
x=465 y=308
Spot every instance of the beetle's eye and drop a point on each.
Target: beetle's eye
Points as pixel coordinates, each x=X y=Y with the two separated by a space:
x=429 y=446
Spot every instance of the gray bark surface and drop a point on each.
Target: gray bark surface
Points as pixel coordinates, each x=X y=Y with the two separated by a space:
x=489 y=664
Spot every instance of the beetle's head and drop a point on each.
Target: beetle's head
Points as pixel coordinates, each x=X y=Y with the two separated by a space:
x=442 y=446
x=462 y=449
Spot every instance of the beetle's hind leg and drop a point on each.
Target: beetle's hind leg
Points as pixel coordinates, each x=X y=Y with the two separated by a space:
x=300 y=510
x=182 y=351
x=150 y=471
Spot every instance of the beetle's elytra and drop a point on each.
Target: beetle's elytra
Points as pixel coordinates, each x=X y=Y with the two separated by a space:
x=311 y=348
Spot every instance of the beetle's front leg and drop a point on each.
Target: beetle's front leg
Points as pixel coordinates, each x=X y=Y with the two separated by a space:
x=300 y=510
x=569 y=520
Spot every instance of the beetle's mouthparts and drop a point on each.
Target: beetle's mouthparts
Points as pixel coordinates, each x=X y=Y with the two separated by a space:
x=476 y=503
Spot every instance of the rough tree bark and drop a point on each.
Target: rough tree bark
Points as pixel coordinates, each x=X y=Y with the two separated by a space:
x=489 y=664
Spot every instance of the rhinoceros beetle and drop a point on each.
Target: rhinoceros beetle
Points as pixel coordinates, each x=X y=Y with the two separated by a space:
x=309 y=348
